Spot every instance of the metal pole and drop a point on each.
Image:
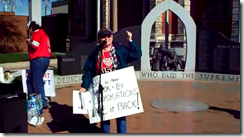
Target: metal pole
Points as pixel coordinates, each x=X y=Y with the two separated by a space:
x=98 y=15
x=30 y=15
x=166 y=29
x=100 y=88
x=45 y=7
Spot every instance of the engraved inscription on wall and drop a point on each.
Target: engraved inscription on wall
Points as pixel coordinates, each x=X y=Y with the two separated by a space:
x=234 y=58
x=203 y=50
x=216 y=53
x=218 y=59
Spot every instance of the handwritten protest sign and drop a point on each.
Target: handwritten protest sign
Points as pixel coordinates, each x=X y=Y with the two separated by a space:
x=48 y=80
x=81 y=102
x=1 y=75
x=121 y=96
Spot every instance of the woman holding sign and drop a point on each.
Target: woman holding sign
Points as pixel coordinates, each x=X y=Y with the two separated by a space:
x=114 y=56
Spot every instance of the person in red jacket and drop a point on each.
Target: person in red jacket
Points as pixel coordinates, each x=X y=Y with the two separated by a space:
x=39 y=54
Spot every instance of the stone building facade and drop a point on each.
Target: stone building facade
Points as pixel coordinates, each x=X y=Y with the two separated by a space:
x=221 y=15
x=158 y=28
x=200 y=10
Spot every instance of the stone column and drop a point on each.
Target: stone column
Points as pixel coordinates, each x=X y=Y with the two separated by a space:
x=105 y=13
x=115 y=15
x=235 y=21
x=35 y=13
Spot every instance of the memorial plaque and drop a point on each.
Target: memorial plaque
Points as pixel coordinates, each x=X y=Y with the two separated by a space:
x=73 y=62
x=120 y=37
x=215 y=53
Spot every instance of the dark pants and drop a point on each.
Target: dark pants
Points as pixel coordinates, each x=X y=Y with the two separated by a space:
x=121 y=125
x=163 y=64
x=38 y=67
x=173 y=65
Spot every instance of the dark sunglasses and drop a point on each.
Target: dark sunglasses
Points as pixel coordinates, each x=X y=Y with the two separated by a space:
x=104 y=36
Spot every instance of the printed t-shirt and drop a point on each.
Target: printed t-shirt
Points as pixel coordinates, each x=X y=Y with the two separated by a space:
x=107 y=63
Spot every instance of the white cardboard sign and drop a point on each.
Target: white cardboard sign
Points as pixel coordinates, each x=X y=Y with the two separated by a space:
x=1 y=75
x=81 y=102
x=121 y=95
x=48 y=79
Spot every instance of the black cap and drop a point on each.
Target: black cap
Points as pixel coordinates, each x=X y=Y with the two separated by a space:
x=30 y=24
x=104 y=32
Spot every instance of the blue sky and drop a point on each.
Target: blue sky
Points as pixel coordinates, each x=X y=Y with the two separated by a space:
x=22 y=7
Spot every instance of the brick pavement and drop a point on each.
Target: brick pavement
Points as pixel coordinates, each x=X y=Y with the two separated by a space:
x=226 y=119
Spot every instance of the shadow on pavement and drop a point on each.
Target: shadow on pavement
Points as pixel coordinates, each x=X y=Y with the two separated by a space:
x=65 y=120
x=234 y=113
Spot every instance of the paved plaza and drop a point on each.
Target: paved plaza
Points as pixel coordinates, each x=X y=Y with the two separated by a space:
x=223 y=115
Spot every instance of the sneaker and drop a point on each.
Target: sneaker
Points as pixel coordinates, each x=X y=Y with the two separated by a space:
x=36 y=121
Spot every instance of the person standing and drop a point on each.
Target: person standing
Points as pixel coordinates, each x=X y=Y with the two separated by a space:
x=39 y=54
x=114 y=57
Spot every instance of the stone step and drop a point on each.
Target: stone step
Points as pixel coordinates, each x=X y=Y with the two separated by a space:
x=24 y=65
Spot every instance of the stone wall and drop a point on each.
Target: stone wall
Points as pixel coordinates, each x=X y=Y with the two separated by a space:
x=157 y=27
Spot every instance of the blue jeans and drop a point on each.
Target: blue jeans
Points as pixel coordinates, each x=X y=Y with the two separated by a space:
x=121 y=125
x=35 y=83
